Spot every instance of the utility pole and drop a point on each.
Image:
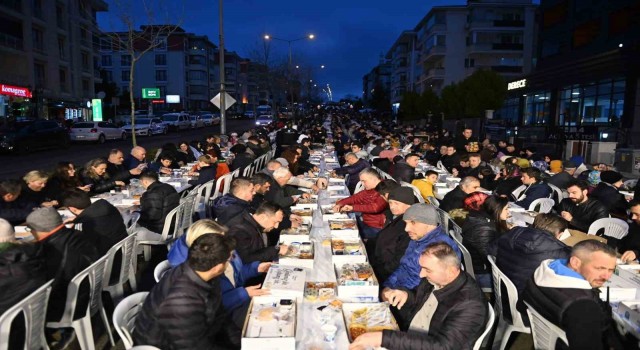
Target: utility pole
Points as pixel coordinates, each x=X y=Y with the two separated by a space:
x=223 y=106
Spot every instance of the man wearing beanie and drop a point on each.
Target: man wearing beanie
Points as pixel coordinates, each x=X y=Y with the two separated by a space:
x=66 y=253
x=607 y=193
x=423 y=227
x=392 y=240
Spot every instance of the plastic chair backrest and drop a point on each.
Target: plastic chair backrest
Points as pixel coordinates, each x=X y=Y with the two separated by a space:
x=444 y=219
x=456 y=231
x=167 y=233
x=499 y=279
x=185 y=217
x=247 y=170
x=630 y=184
x=441 y=166
x=545 y=333
x=516 y=193
x=160 y=269
x=487 y=328
x=207 y=189
x=416 y=191
x=433 y=201
x=467 y=262
x=135 y=216
x=124 y=317
x=359 y=187
x=34 y=308
x=615 y=228
x=95 y=274
x=546 y=204
x=558 y=192
x=127 y=247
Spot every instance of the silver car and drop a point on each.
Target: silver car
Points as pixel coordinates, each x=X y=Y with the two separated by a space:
x=196 y=122
x=210 y=119
x=96 y=132
x=147 y=127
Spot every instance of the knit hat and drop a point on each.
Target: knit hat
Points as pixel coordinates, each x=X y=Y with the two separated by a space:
x=44 y=219
x=610 y=177
x=569 y=164
x=282 y=161
x=474 y=201
x=422 y=212
x=403 y=195
x=7 y=234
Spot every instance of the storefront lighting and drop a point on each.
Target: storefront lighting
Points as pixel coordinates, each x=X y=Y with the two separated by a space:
x=575 y=93
x=604 y=134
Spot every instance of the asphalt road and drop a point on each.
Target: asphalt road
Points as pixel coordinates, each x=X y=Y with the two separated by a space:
x=15 y=166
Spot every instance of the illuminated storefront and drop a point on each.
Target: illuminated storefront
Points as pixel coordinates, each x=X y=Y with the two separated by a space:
x=15 y=102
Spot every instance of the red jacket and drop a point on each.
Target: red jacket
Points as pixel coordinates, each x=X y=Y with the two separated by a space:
x=370 y=204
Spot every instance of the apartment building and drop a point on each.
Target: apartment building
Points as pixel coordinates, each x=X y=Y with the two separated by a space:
x=48 y=57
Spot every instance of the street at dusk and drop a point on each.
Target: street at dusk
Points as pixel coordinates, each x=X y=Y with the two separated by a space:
x=319 y=175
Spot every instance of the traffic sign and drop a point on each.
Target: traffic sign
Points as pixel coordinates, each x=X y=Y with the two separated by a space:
x=228 y=101
x=150 y=93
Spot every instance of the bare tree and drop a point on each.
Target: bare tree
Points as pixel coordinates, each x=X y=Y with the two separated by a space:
x=138 y=42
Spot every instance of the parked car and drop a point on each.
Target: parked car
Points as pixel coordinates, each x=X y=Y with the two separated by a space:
x=249 y=114
x=147 y=127
x=29 y=135
x=177 y=121
x=264 y=120
x=210 y=119
x=96 y=131
x=196 y=122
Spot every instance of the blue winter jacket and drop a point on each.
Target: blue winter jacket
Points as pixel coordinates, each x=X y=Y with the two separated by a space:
x=407 y=275
x=232 y=297
x=533 y=192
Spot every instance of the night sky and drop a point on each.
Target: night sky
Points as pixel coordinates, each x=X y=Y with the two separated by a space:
x=350 y=34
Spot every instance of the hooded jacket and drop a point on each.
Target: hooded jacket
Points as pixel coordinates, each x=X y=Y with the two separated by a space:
x=102 y=225
x=407 y=275
x=567 y=300
x=477 y=232
x=532 y=192
x=584 y=214
x=457 y=322
x=155 y=204
x=22 y=271
x=391 y=243
x=371 y=204
x=229 y=206
x=453 y=200
x=520 y=251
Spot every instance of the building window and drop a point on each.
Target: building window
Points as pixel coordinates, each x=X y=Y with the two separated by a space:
x=197 y=75
x=469 y=62
x=125 y=60
x=161 y=75
x=84 y=58
x=108 y=76
x=85 y=86
x=37 y=8
x=63 y=80
x=161 y=60
x=537 y=107
x=106 y=60
x=62 y=50
x=105 y=44
x=510 y=111
x=39 y=73
x=598 y=103
x=60 y=16
x=38 y=38
x=160 y=44
x=163 y=90
x=124 y=75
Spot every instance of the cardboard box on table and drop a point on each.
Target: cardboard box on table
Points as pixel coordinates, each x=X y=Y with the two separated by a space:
x=268 y=343
x=298 y=262
x=348 y=258
x=348 y=234
x=285 y=281
x=349 y=308
x=355 y=292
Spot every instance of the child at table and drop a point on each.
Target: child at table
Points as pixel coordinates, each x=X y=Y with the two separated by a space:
x=426 y=183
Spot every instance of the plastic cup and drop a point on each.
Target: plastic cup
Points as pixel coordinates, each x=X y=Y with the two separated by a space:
x=329 y=331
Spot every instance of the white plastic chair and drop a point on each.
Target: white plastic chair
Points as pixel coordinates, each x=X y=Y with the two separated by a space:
x=82 y=326
x=169 y=230
x=545 y=333
x=34 y=308
x=517 y=325
x=441 y=166
x=416 y=191
x=433 y=201
x=518 y=191
x=456 y=232
x=359 y=187
x=558 y=192
x=615 y=228
x=487 y=329
x=444 y=219
x=546 y=204
x=161 y=269
x=185 y=216
x=124 y=318
x=467 y=262
x=127 y=271
x=144 y=347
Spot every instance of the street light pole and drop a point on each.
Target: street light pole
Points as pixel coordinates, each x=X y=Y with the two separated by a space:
x=223 y=109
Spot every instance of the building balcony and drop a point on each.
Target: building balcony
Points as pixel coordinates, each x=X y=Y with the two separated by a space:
x=432 y=53
x=507 y=47
x=434 y=74
x=479 y=24
x=199 y=82
x=507 y=69
x=197 y=52
x=11 y=42
x=197 y=66
x=508 y=23
x=479 y=47
x=490 y=48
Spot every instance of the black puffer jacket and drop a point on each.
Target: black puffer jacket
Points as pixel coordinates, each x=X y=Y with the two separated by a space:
x=453 y=200
x=118 y=172
x=391 y=243
x=16 y=212
x=584 y=214
x=477 y=232
x=611 y=198
x=520 y=251
x=102 y=225
x=241 y=161
x=100 y=184
x=249 y=242
x=404 y=172
x=181 y=312
x=229 y=206
x=22 y=271
x=155 y=204
x=206 y=174
x=506 y=186
x=457 y=322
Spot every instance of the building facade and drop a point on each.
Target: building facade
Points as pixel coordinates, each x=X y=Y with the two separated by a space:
x=379 y=76
x=49 y=58
x=402 y=57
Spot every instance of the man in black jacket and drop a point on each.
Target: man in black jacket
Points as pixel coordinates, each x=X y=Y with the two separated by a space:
x=352 y=167
x=580 y=210
x=234 y=203
x=562 y=179
x=535 y=188
x=249 y=231
x=102 y=223
x=608 y=194
x=452 y=159
x=405 y=170
x=455 y=199
x=261 y=185
x=66 y=253
x=446 y=311
x=242 y=158
x=566 y=293
x=155 y=204
x=117 y=170
x=629 y=246
x=14 y=208
x=183 y=311
x=392 y=240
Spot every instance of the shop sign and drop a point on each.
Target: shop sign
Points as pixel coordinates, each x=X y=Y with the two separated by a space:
x=14 y=91
x=518 y=84
x=96 y=103
x=150 y=93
